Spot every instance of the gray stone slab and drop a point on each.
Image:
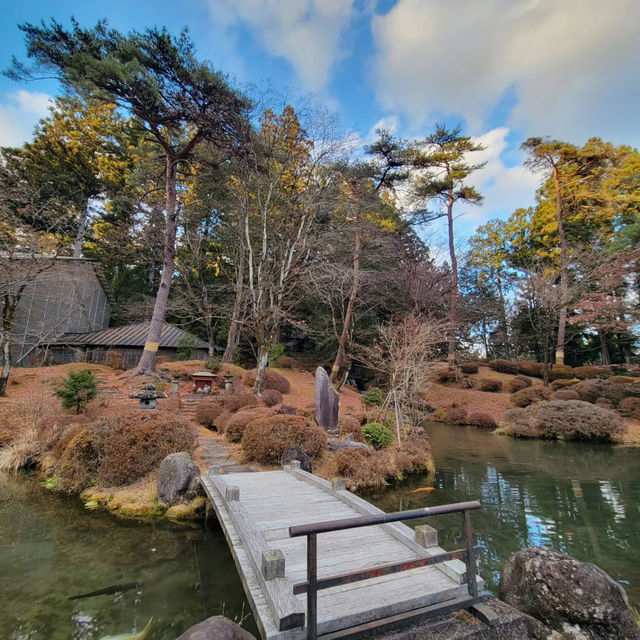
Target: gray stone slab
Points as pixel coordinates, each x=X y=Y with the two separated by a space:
x=327 y=402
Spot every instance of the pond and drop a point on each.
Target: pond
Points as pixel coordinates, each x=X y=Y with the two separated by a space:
x=51 y=549
x=578 y=498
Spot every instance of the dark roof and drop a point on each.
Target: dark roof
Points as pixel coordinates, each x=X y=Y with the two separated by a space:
x=131 y=335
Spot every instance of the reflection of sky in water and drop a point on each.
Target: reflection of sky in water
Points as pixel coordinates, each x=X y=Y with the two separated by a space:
x=612 y=496
x=539 y=531
x=577 y=498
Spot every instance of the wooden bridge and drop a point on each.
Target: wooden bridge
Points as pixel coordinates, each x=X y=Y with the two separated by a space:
x=359 y=570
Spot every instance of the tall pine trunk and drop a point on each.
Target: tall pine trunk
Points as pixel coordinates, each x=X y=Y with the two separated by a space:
x=342 y=343
x=147 y=362
x=564 y=273
x=453 y=309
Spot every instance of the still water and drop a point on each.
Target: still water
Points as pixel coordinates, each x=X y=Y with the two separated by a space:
x=51 y=548
x=577 y=498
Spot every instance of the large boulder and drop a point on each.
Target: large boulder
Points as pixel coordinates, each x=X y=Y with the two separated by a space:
x=216 y=628
x=297 y=453
x=576 y=599
x=327 y=402
x=178 y=478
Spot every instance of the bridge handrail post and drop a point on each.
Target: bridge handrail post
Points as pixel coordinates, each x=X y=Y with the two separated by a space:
x=312 y=590
x=470 y=559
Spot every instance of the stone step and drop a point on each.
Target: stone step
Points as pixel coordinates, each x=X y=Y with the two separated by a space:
x=240 y=470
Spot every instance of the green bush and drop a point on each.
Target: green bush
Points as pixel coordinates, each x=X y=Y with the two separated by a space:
x=373 y=397
x=214 y=363
x=185 y=346
x=275 y=353
x=377 y=435
x=77 y=389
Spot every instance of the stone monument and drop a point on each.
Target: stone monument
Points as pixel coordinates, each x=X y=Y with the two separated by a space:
x=327 y=402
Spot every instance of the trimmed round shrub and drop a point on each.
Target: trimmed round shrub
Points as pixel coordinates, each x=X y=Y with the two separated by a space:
x=493 y=386
x=483 y=420
x=456 y=415
x=365 y=468
x=120 y=449
x=272 y=380
x=236 y=424
x=207 y=412
x=469 y=368
x=465 y=383
x=373 y=397
x=527 y=396
x=271 y=397
x=588 y=373
x=350 y=425
x=605 y=403
x=524 y=379
x=377 y=435
x=623 y=379
x=563 y=383
x=565 y=394
x=446 y=375
x=564 y=420
x=533 y=369
x=561 y=371
x=591 y=390
x=505 y=366
x=287 y=410
x=79 y=463
x=235 y=403
x=265 y=439
x=517 y=385
x=285 y=362
x=414 y=455
x=630 y=406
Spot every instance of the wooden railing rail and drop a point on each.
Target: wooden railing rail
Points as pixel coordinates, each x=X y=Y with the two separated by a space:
x=311 y=531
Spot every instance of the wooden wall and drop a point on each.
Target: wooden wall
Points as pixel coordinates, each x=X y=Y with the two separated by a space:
x=67 y=298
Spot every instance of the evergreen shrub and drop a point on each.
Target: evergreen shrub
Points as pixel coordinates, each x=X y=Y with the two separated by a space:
x=77 y=389
x=373 y=397
x=377 y=435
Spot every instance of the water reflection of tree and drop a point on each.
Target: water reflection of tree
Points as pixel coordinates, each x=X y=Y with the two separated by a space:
x=577 y=498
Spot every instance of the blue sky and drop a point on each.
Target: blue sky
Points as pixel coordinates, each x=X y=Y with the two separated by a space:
x=504 y=69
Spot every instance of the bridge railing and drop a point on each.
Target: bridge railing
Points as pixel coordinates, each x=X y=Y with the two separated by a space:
x=311 y=531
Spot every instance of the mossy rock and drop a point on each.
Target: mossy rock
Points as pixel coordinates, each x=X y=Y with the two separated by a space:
x=193 y=510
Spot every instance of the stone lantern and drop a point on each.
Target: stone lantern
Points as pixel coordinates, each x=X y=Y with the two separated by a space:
x=148 y=396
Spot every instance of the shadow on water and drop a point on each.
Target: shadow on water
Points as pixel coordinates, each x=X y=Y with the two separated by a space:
x=578 y=498
x=51 y=548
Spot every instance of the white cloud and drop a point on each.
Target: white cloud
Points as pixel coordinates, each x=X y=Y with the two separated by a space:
x=306 y=33
x=19 y=113
x=504 y=188
x=573 y=64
